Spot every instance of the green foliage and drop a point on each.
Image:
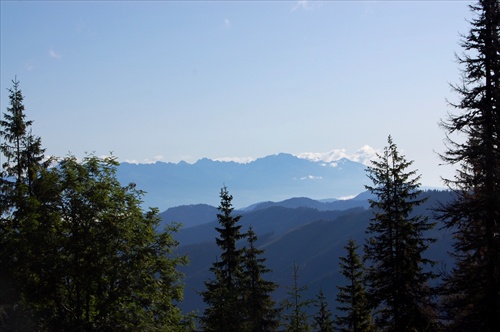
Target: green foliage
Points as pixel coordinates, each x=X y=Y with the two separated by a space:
x=471 y=297
x=117 y=271
x=77 y=251
x=295 y=317
x=91 y=258
x=398 y=284
x=224 y=294
x=352 y=297
x=323 y=318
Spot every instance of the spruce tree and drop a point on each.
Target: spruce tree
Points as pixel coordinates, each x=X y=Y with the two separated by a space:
x=472 y=290
x=224 y=293
x=352 y=298
x=22 y=151
x=261 y=314
x=397 y=282
x=295 y=317
x=323 y=318
x=22 y=246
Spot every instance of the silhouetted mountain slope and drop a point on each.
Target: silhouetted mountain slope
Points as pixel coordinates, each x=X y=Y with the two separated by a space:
x=311 y=238
x=198 y=214
x=298 y=202
x=271 y=222
x=190 y=215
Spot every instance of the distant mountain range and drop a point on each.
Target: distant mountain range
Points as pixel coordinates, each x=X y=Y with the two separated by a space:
x=304 y=231
x=291 y=202
x=272 y=178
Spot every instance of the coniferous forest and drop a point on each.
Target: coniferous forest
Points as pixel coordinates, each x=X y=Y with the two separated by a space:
x=78 y=252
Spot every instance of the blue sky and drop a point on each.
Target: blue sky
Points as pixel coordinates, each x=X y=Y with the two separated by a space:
x=182 y=80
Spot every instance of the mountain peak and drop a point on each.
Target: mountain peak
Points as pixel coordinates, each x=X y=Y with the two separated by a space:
x=274 y=178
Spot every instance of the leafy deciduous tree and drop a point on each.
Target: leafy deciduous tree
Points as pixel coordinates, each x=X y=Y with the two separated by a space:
x=77 y=246
x=114 y=270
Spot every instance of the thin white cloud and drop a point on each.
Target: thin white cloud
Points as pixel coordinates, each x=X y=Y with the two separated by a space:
x=362 y=155
x=311 y=177
x=344 y=198
x=301 y=4
x=53 y=54
x=29 y=66
x=227 y=23
x=146 y=161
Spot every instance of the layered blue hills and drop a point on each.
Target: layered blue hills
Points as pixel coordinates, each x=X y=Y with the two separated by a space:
x=301 y=231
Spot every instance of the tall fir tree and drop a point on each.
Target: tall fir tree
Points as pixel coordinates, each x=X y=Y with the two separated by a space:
x=22 y=151
x=295 y=317
x=397 y=282
x=472 y=290
x=323 y=321
x=224 y=293
x=22 y=161
x=352 y=297
x=261 y=314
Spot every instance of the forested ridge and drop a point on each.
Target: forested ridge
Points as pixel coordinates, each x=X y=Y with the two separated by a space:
x=78 y=252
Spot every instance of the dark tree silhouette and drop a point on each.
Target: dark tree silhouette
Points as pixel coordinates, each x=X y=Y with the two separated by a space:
x=223 y=294
x=352 y=298
x=323 y=321
x=261 y=314
x=295 y=317
x=397 y=283
x=472 y=291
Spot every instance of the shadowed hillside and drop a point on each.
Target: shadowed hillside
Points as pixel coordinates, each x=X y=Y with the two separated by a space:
x=311 y=238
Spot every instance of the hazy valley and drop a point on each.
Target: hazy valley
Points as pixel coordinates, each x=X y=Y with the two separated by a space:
x=271 y=178
x=307 y=232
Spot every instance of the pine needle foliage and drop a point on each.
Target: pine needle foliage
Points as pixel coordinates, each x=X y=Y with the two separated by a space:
x=224 y=293
x=397 y=282
x=471 y=293
x=352 y=298
x=261 y=314
x=22 y=160
x=323 y=321
x=295 y=317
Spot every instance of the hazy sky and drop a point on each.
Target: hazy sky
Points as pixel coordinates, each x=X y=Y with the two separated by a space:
x=182 y=80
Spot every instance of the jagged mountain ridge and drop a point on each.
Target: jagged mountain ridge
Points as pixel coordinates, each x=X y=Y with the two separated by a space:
x=271 y=178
